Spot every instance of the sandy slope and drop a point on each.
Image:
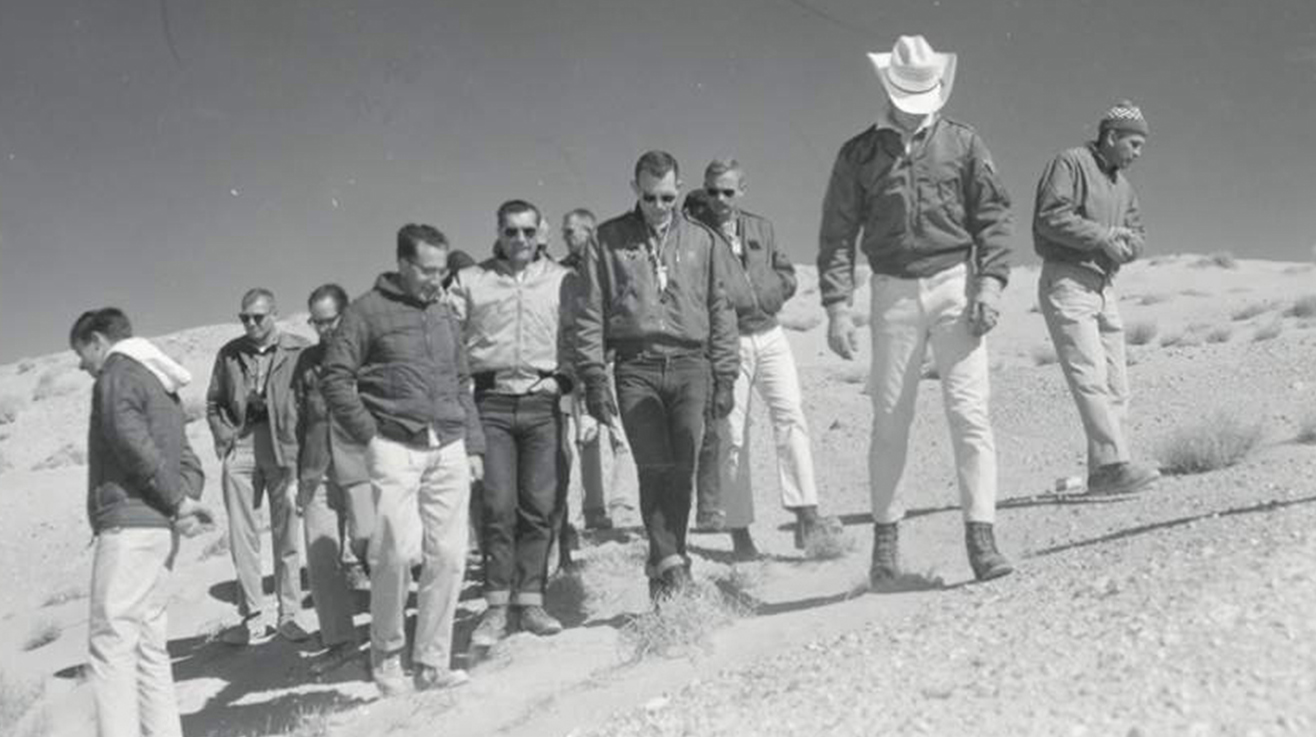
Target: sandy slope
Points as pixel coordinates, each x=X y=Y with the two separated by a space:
x=1143 y=616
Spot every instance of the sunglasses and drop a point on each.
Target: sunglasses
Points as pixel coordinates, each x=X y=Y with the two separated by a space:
x=524 y=232
x=254 y=318
x=321 y=323
x=727 y=193
x=652 y=198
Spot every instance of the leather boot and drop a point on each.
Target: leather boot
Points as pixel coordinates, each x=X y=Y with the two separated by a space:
x=986 y=560
x=886 y=553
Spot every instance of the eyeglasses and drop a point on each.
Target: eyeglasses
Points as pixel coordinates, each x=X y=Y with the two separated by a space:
x=254 y=318
x=715 y=192
x=652 y=198
x=323 y=322
x=524 y=232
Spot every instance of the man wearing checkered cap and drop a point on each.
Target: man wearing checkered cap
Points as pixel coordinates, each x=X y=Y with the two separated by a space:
x=1085 y=227
x=919 y=193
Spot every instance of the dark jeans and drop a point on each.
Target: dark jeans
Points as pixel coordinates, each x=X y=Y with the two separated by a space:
x=662 y=401
x=712 y=459
x=520 y=495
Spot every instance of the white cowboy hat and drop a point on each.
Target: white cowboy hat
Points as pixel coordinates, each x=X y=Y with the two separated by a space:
x=917 y=79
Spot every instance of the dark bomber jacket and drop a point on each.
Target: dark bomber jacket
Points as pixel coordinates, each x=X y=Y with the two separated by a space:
x=760 y=280
x=324 y=447
x=139 y=463
x=396 y=367
x=226 y=397
x=919 y=214
x=622 y=307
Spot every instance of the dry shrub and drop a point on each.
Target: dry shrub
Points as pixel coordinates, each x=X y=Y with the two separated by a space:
x=1269 y=331
x=57 y=381
x=801 y=322
x=10 y=406
x=17 y=699
x=1221 y=259
x=1298 y=269
x=1247 y=312
x=1219 y=334
x=1185 y=339
x=25 y=365
x=43 y=632
x=1140 y=333
x=1044 y=354
x=1303 y=307
x=68 y=455
x=1154 y=299
x=1194 y=293
x=832 y=546
x=683 y=624
x=1219 y=441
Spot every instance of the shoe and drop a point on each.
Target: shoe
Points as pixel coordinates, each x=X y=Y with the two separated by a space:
x=537 y=621
x=357 y=577
x=1121 y=478
x=597 y=519
x=669 y=583
x=742 y=545
x=812 y=529
x=886 y=553
x=429 y=678
x=292 y=632
x=986 y=560
x=386 y=671
x=492 y=627
x=244 y=632
x=338 y=655
x=710 y=520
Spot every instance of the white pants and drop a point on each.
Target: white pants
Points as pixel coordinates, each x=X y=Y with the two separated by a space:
x=131 y=676
x=432 y=486
x=908 y=315
x=767 y=364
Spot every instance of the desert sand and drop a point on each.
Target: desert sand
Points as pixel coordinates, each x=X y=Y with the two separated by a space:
x=1186 y=609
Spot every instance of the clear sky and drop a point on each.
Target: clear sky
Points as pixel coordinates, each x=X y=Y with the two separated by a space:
x=164 y=155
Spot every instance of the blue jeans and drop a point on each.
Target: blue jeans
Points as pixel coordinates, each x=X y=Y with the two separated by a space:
x=663 y=399
x=519 y=501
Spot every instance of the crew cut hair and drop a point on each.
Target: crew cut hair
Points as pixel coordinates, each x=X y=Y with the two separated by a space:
x=412 y=235
x=256 y=293
x=516 y=207
x=581 y=213
x=328 y=291
x=718 y=167
x=108 y=321
x=657 y=164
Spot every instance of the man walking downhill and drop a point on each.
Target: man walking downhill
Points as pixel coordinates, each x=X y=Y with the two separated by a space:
x=935 y=224
x=395 y=376
x=1085 y=227
x=253 y=419
x=514 y=312
x=654 y=294
x=143 y=489
x=333 y=491
x=760 y=280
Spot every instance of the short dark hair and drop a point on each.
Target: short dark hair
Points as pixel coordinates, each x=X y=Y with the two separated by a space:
x=108 y=321
x=412 y=235
x=256 y=293
x=657 y=164
x=516 y=207
x=328 y=291
x=582 y=213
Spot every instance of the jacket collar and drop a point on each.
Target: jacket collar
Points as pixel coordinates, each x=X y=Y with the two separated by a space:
x=390 y=285
x=1105 y=166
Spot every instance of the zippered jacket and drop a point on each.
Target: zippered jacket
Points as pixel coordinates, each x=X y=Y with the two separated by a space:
x=226 y=397
x=919 y=213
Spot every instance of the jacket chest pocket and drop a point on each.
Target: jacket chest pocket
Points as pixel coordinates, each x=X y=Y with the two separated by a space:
x=948 y=188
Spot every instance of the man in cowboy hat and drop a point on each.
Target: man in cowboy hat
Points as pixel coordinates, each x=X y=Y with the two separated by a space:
x=921 y=195
x=1085 y=226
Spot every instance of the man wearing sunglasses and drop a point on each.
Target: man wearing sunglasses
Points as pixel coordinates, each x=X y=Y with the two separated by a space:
x=395 y=376
x=654 y=297
x=514 y=312
x=253 y=417
x=763 y=278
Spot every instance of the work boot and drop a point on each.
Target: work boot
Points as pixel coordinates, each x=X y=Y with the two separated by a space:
x=813 y=528
x=537 y=621
x=492 y=627
x=429 y=678
x=597 y=519
x=1121 y=478
x=386 y=671
x=335 y=657
x=742 y=545
x=886 y=553
x=986 y=560
x=710 y=520
x=669 y=583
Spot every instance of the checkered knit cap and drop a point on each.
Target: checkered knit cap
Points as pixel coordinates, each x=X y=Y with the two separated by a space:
x=1125 y=116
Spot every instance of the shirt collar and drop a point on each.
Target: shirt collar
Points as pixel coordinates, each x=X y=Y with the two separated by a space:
x=885 y=120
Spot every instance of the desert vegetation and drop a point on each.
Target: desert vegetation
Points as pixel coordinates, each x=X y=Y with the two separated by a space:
x=1303 y=307
x=1140 y=333
x=1247 y=312
x=1219 y=259
x=1219 y=441
x=1269 y=331
x=10 y=406
x=1043 y=354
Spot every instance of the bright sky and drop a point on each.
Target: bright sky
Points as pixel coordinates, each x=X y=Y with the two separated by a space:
x=163 y=156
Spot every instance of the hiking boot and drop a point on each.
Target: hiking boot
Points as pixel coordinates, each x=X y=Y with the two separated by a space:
x=742 y=545
x=537 y=621
x=244 y=632
x=492 y=627
x=597 y=519
x=356 y=576
x=1121 y=478
x=293 y=632
x=669 y=583
x=710 y=520
x=386 y=671
x=886 y=553
x=338 y=655
x=812 y=528
x=986 y=560
x=429 y=678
